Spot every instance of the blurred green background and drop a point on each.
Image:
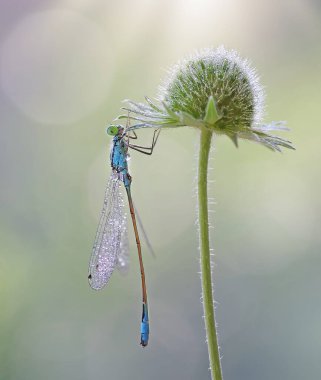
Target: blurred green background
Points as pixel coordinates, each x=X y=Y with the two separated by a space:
x=65 y=67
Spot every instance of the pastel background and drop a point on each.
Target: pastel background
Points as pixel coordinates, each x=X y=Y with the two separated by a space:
x=65 y=67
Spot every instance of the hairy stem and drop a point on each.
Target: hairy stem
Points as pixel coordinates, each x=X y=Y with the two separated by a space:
x=206 y=272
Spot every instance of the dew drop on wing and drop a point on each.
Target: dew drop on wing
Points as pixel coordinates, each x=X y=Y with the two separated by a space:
x=123 y=258
x=106 y=248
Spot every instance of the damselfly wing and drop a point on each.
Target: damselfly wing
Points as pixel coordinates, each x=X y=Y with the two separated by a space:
x=106 y=253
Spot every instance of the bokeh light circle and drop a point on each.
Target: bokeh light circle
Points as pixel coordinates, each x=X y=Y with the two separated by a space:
x=56 y=66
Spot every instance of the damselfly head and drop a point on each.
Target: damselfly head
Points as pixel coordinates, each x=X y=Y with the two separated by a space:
x=113 y=129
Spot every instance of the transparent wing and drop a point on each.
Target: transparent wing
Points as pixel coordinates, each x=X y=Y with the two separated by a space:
x=107 y=246
x=141 y=226
x=123 y=261
x=123 y=258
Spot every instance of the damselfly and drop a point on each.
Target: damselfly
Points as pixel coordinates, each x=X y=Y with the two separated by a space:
x=110 y=247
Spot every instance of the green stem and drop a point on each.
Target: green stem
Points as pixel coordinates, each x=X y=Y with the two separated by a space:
x=206 y=273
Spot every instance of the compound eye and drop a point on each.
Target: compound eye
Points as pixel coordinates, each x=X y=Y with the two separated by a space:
x=112 y=130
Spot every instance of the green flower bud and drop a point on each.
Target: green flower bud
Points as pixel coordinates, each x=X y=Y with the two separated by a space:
x=217 y=76
x=213 y=89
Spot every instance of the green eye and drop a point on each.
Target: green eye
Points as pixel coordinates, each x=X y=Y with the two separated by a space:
x=112 y=130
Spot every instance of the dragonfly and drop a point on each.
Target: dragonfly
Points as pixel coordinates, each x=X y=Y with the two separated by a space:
x=111 y=242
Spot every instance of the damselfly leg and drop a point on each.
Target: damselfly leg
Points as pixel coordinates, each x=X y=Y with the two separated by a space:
x=146 y=149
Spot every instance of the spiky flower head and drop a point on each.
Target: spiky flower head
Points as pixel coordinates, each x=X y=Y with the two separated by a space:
x=213 y=89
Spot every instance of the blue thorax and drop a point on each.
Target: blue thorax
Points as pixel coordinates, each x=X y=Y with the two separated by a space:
x=118 y=154
x=118 y=159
